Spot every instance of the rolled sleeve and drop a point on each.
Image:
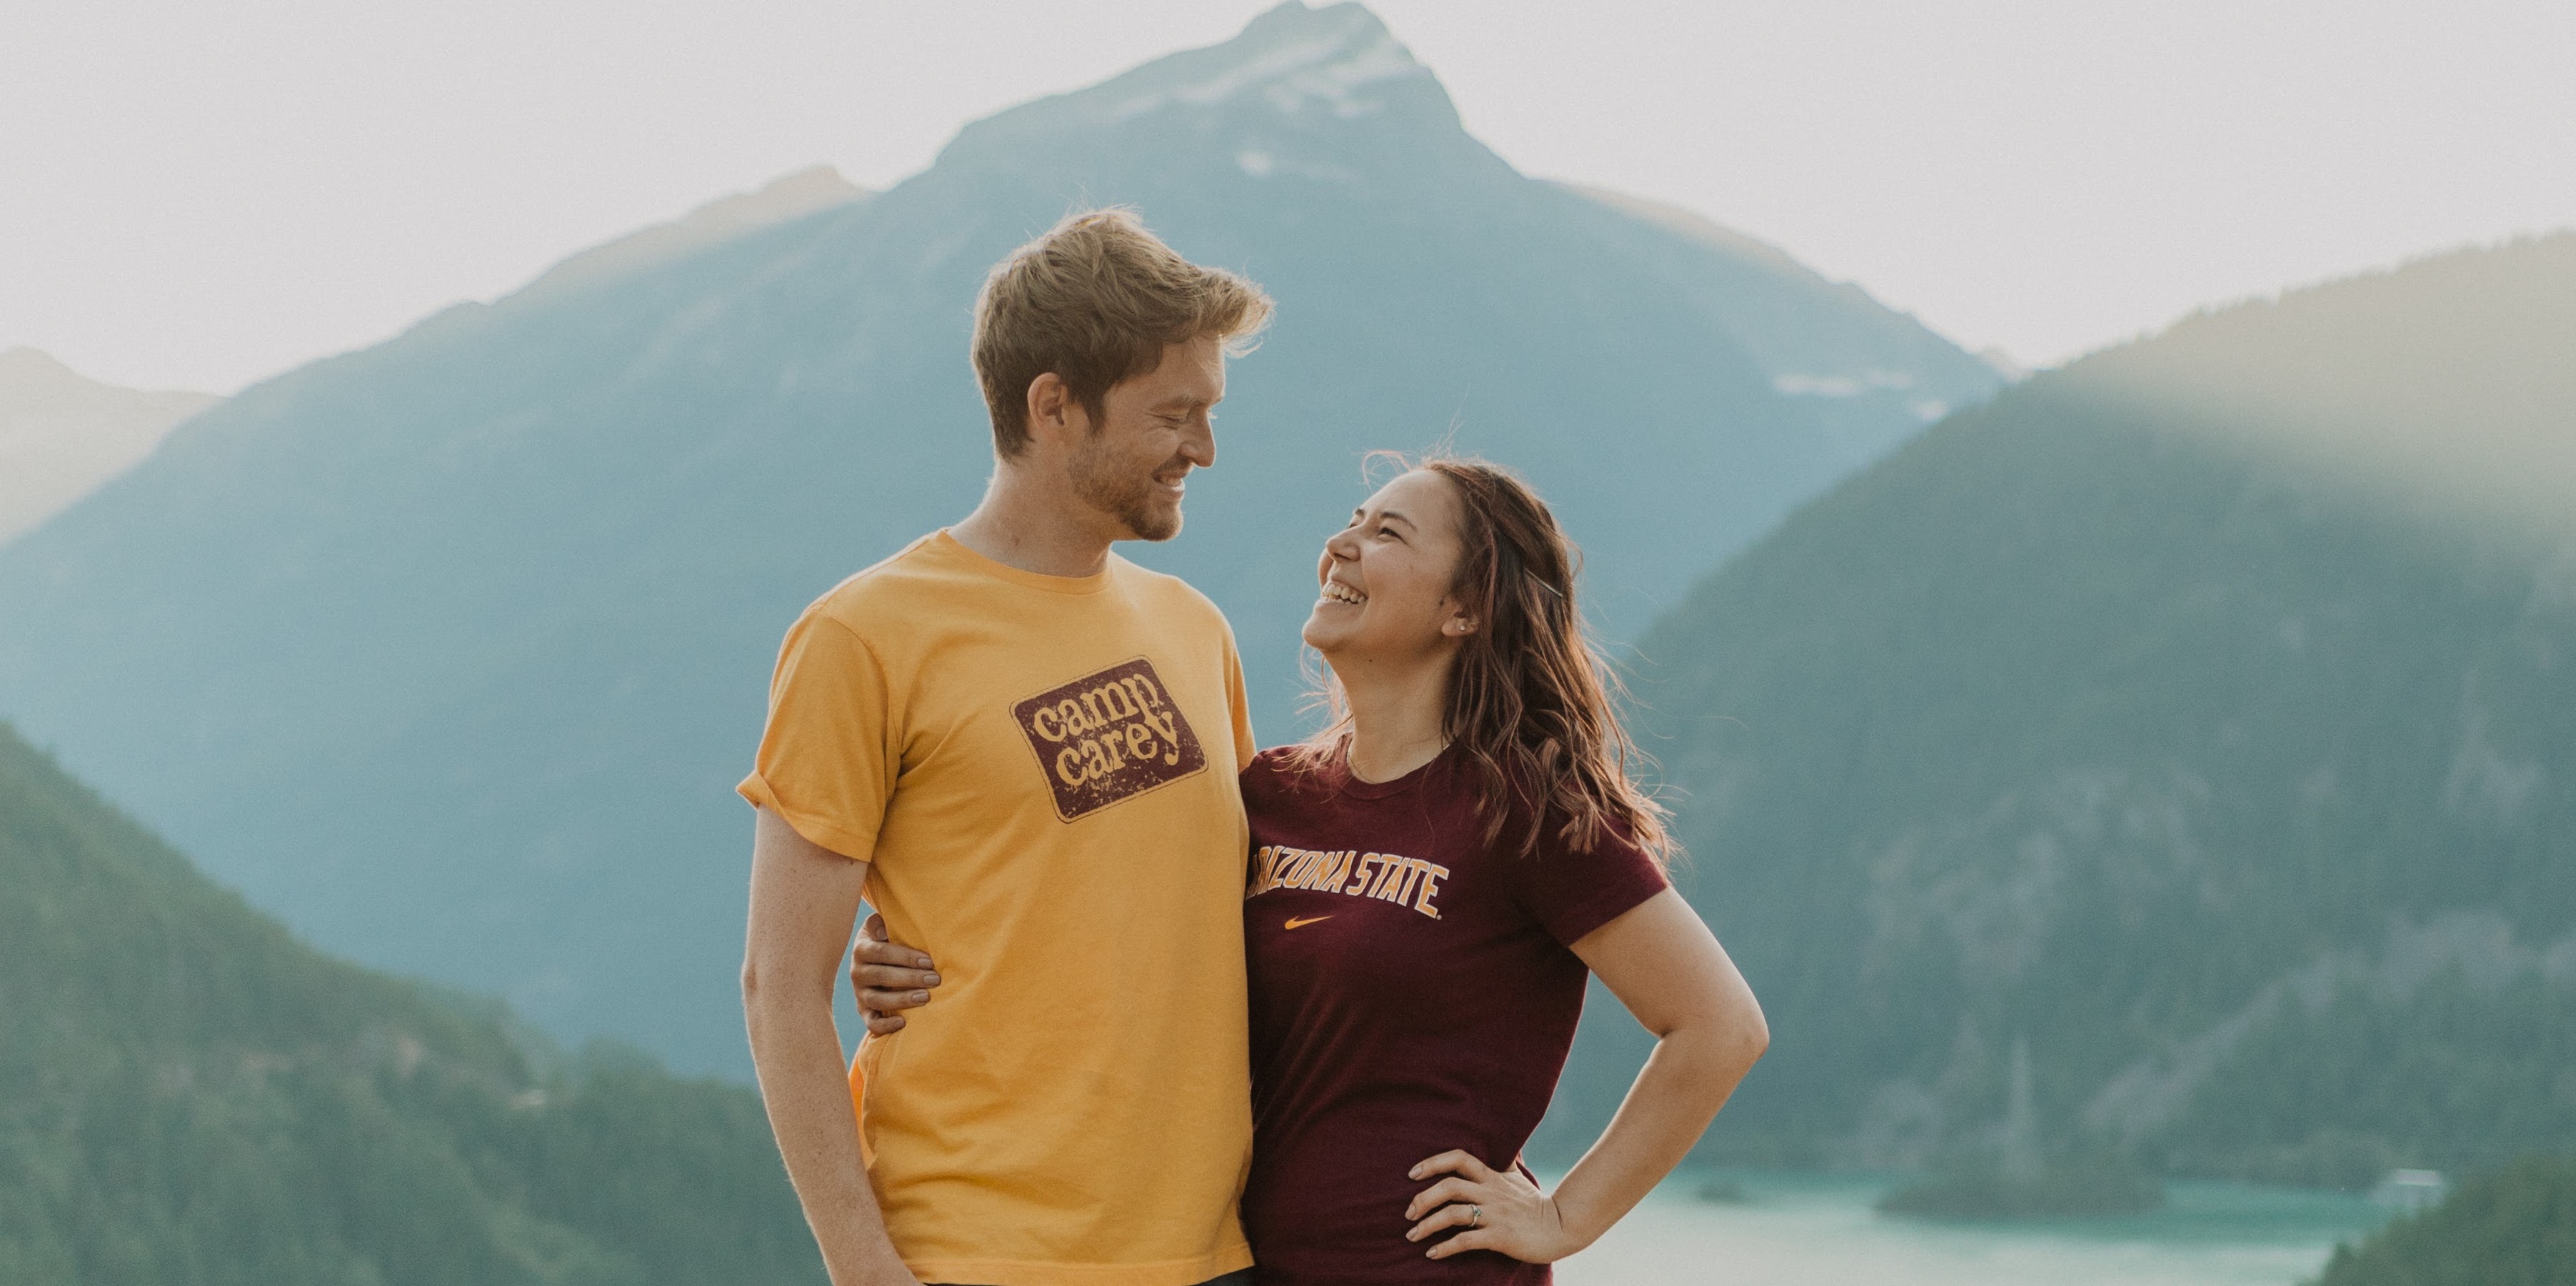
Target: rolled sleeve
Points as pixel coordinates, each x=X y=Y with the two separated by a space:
x=829 y=754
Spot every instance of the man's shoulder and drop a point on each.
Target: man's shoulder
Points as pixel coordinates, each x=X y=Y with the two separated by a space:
x=885 y=590
x=1166 y=592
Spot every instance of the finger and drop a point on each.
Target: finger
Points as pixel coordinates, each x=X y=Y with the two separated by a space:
x=872 y=951
x=1438 y=1195
x=884 y=1024
x=1453 y=1215
x=877 y=943
x=1454 y=1161
x=1472 y=1239
x=879 y=977
x=885 y=1001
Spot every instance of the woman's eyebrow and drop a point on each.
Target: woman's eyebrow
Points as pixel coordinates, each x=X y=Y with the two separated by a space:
x=1397 y=515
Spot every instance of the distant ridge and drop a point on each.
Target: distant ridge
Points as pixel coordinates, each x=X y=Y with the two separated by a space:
x=1699 y=227
x=1780 y=346
x=2442 y=385
x=62 y=434
x=2198 y=716
x=781 y=200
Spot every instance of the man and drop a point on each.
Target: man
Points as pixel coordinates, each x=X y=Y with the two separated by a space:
x=1022 y=750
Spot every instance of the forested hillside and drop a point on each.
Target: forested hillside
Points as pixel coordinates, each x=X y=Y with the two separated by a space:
x=2200 y=718
x=449 y=651
x=2516 y=1227
x=190 y=1097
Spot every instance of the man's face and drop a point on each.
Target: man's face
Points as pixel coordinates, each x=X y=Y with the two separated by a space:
x=1154 y=428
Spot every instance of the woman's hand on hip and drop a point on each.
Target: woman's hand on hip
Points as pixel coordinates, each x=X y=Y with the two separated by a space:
x=888 y=978
x=1497 y=1210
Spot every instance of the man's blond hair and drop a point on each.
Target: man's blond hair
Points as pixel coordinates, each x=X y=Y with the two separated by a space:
x=1096 y=300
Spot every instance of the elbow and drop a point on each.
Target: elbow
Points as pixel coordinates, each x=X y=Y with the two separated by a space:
x=1748 y=1031
x=1730 y=1039
x=768 y=999
x=771 y=988
x=762 y=992
x=1753 y=1038
x=753 y=982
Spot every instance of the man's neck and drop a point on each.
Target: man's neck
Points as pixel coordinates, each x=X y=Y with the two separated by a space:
x=1019 y=526
x=1397 y=712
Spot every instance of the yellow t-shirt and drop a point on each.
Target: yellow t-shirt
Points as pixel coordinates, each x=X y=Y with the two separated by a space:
x=1042 y=770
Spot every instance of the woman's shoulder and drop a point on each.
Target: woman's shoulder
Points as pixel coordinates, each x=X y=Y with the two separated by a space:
x=1282 y=772
x=1281 y=765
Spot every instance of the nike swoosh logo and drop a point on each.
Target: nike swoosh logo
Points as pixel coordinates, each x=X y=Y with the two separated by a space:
x=1299 y=924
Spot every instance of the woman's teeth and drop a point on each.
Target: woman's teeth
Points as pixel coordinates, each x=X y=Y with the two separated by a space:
x=1341 y=593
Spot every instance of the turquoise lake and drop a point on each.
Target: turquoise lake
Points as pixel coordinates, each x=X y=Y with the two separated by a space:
x=1820 y=1230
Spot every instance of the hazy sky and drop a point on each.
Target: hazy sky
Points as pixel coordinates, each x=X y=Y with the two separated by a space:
x=200 y=195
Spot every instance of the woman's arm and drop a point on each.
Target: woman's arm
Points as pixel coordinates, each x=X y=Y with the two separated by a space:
x=1668 y=969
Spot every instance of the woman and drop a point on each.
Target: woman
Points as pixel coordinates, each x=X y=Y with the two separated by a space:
x=1432 y=878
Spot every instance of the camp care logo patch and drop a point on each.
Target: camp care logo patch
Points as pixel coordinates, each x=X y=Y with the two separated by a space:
x=1108 y=736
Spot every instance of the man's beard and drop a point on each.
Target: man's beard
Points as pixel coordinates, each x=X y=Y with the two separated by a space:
x=1114 y=487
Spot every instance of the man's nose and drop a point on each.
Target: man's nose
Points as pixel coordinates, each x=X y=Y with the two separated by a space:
x=1198 y=446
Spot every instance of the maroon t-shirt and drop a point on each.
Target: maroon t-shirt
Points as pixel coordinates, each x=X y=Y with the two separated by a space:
x=1412 y=992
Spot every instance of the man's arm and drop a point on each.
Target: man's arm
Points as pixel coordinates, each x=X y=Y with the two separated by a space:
x=804 y=898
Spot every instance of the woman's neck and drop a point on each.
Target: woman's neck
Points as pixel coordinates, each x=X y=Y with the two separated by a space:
x=1397 y=713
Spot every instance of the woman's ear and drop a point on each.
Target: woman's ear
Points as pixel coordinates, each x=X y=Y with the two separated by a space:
x=1459 y=625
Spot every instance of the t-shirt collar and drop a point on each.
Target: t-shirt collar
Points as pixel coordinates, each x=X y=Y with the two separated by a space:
x=952 y=547
x=1358 y=789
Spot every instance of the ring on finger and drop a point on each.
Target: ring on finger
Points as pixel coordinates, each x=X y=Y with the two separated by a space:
x=1479 y=1216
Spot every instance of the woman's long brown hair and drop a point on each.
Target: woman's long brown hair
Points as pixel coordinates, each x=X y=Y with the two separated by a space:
x=1532 y=704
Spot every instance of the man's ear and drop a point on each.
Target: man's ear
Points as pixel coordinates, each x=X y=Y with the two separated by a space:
x=1054 y=413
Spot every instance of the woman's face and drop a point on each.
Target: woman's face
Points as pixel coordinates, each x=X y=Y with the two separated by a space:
x=1385 y=578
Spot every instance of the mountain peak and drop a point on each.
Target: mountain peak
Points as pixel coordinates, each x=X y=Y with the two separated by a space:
x=1338 y=59
x=1293 y=66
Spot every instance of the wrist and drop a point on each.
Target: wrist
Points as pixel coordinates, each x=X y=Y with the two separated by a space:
x=888 y=1272
x=1572 y=1232
x=872 y=1262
